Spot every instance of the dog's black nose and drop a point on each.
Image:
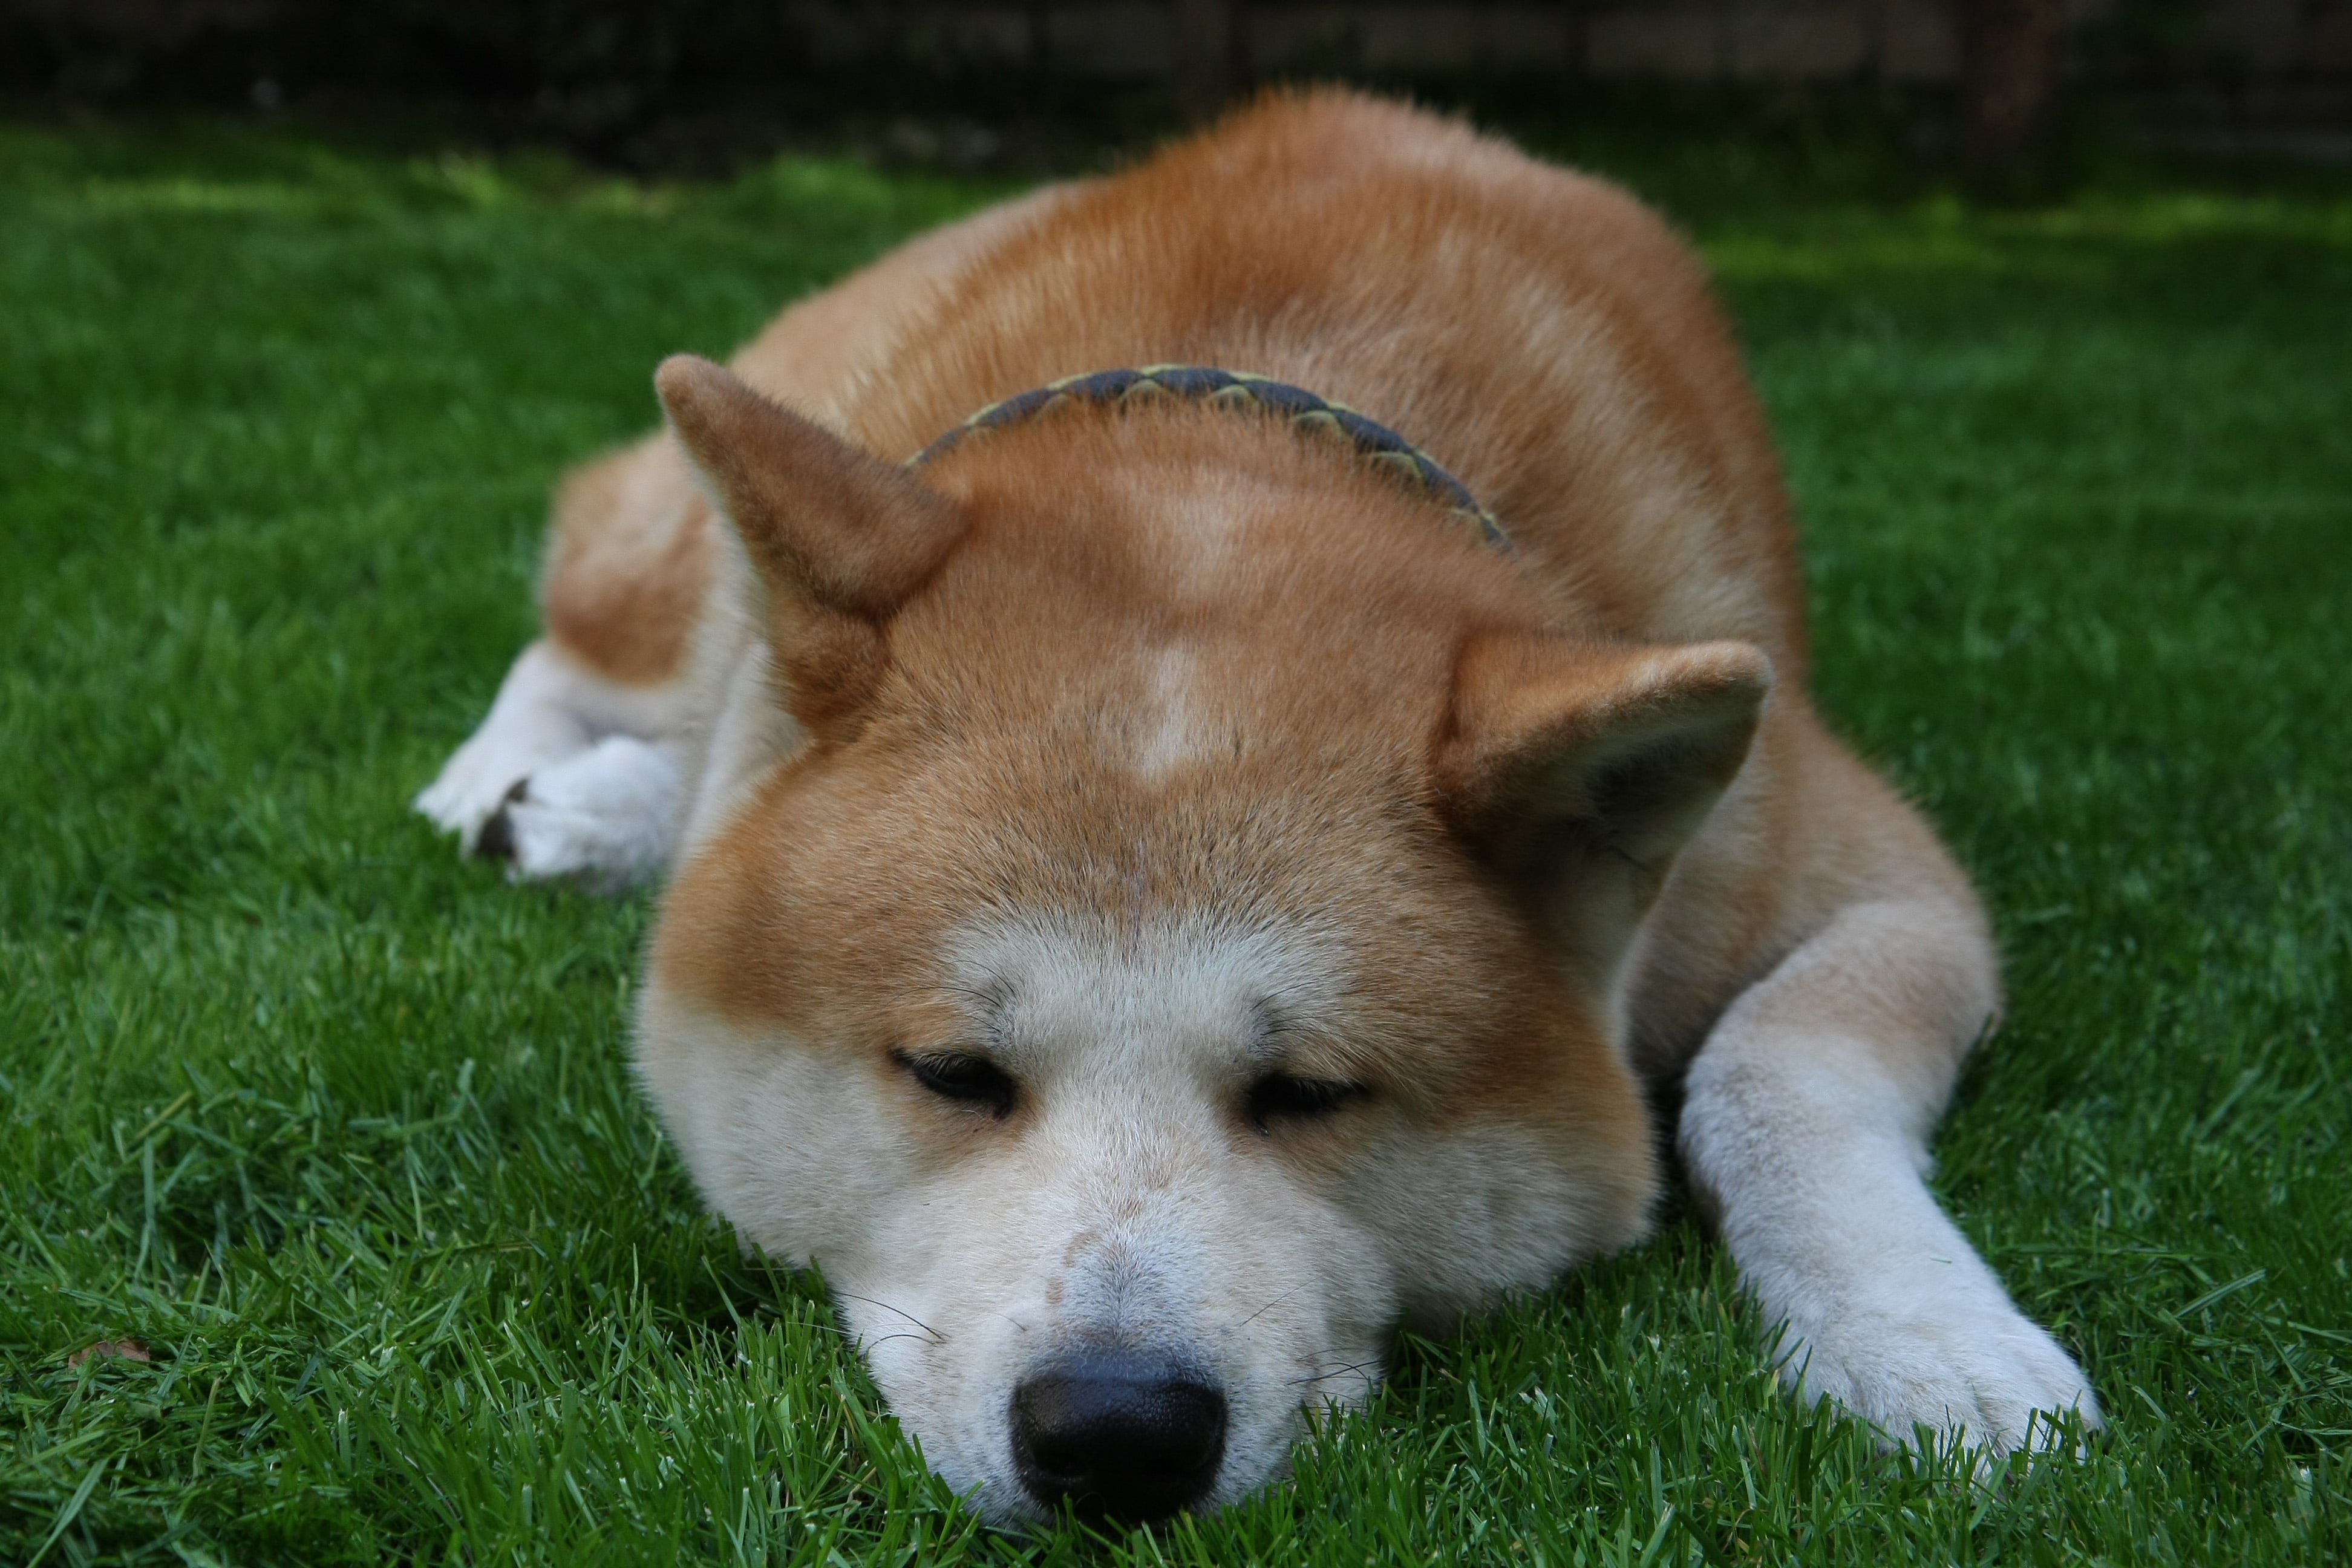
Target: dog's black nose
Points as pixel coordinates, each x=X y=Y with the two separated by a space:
x=1118 y=1433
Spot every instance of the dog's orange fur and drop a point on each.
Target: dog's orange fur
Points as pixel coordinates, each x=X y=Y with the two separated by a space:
x=629 y=557
x=1558 y=818
x=1546 y=336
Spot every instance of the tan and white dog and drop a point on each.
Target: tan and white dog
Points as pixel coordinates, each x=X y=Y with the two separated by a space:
x=1155 y=902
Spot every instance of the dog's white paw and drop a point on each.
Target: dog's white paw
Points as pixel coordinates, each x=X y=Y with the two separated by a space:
x=607 y=814
x=481 y=775
x=1973 y=1370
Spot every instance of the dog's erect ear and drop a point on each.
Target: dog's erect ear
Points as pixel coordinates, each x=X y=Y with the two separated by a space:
x=1579 y=769
x=839 y=537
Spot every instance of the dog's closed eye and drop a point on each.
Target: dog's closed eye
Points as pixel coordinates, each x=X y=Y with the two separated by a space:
x=1281 y=1095
x=962 y=1077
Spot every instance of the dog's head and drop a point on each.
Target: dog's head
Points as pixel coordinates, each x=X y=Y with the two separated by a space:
x=1178 y=945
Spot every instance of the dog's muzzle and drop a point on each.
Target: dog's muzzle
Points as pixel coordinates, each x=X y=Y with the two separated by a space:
x=1118 y=1434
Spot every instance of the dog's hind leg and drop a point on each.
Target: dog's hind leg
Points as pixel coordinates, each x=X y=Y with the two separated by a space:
x=581 y=765
x=596 y=742
x=1804 y=1127
x=569 y=774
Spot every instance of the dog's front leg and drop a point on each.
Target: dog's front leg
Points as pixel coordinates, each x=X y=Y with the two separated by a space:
x=1804 y=1127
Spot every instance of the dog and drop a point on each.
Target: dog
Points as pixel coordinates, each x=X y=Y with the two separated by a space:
x=1213 y=862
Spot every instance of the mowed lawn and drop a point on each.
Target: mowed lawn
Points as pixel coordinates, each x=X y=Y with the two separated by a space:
x=340 y=1130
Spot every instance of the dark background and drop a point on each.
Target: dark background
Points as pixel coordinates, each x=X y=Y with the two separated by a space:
x=2009 y=92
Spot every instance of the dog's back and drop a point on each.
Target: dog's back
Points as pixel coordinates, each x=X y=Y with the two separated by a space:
x=1540 y=330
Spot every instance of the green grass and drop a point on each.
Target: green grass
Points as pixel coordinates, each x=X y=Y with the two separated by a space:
x=342 y=1128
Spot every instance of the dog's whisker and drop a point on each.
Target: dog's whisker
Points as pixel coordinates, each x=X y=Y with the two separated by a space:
x=1366 y=1370
x=1270 y=1306
x=937 y=1337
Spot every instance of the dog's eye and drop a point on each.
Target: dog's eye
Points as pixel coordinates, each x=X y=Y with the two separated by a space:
x=1280 y=1095
x=953 y=1075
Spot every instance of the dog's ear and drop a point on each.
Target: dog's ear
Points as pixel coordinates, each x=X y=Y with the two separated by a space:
x=1579 y=770
x=839 y=537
